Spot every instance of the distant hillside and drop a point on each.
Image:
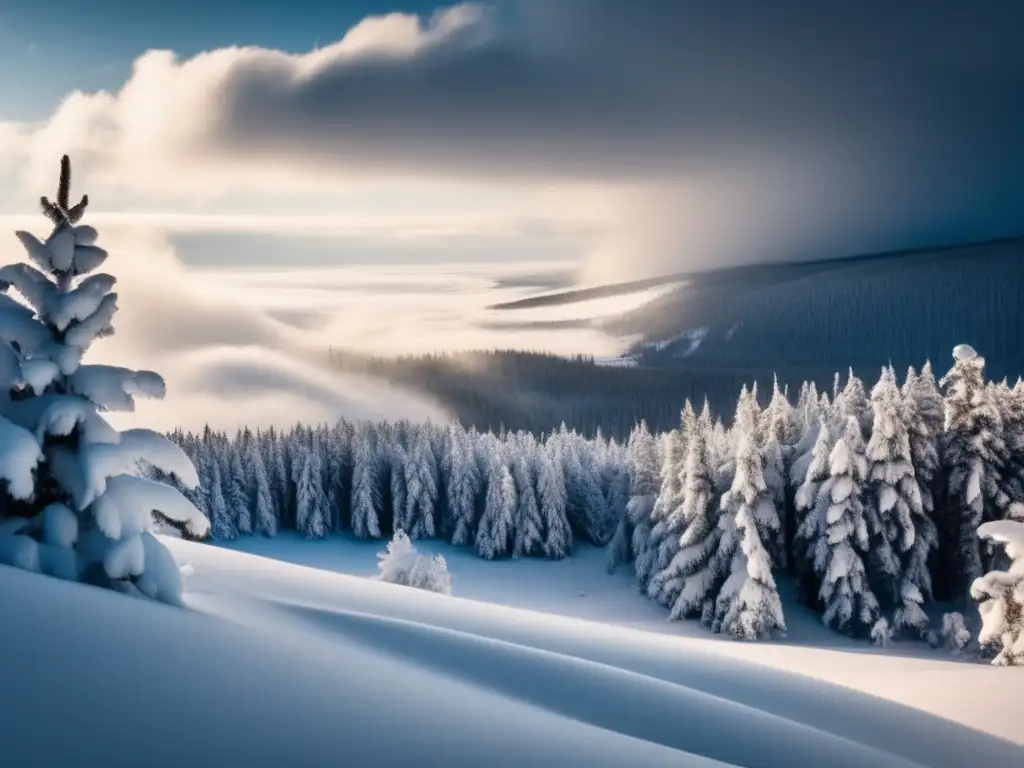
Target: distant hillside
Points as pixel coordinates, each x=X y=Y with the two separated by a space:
x=808 y=320
x=577 y=295
x=723 y=329
x=537 y=392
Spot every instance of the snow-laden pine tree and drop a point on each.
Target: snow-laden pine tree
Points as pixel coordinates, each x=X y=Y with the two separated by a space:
x=810 y=420
x=274 y=458
x=529 y=524
x=924 y=410
x=586 y=509
x=640 y=466
x=693 y=568
x=239 y=502
x=396 y=490
x=1001 y=596
x=652 y=500
x=849 y=603
x=222 y=525
x=615 y=478
x=334 y=470
x=908 y=535
x=781 y=434
x=72 y=505
x=497 y=523
x=748 y=606
x=421 y=483
x=1010 y=404
x=973 y=453
x=366 y=488
x=260 y=499
x=811 y=517
x=310 y=499
x=853 y=401
x=662 y=586
x=552 y=498
x=462 y=485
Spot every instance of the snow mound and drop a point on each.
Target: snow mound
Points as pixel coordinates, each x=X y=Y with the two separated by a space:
x=964 y=352
x=1009 y=532
x=342 y=659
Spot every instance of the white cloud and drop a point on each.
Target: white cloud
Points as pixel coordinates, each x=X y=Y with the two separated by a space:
x=225 y=361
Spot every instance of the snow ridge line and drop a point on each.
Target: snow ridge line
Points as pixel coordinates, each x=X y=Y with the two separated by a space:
x=622 y=701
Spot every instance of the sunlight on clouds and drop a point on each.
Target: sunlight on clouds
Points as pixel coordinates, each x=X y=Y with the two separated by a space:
x=250 y=346
x=225 y=362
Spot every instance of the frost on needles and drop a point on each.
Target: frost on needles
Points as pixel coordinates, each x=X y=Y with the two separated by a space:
x=73 y=504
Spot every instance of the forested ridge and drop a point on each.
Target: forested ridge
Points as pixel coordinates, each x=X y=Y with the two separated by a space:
x=872 y=500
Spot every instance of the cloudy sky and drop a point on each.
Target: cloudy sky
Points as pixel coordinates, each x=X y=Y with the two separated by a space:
x=620 y=139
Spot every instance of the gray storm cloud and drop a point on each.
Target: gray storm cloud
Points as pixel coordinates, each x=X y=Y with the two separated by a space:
x=704 y=133
x=755 y=130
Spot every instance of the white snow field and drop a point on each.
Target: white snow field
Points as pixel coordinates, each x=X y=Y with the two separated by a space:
x=278 y=664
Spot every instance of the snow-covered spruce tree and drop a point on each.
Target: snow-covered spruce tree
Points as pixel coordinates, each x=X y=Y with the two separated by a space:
x=641 y=489
x=1010 y=404
x=615 y=479
x=552 y=495
x=260 y=499
x=853 y=401
x=310 y=499
x=924 y=411
x=239 y=503
x=395 y=491
x=907 y=534
x=781 y=434
x=421 y=485
x=585 y=509
x=811 y=518
x=661 y=586
x=529 y=525
x=748 y=606
x=495 y=532
x=71 y=506
x=693 y=566
x=216 y=506
x=652 y=500
x=1001 y=596
x=849 y=603
x=973 y=454
x=810 y=420
x=462 y=485
x=366 y=489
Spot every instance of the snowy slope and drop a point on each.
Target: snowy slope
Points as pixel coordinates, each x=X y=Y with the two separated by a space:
x=906 y=672
x=810 y=320
x=295 y=666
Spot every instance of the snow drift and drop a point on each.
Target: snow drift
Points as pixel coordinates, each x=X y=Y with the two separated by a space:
x=283 y=665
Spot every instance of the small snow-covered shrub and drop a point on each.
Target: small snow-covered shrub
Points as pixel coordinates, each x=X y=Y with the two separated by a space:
x=954 y=633
x=402 y=564
x=1001 y=596
x=881 y=632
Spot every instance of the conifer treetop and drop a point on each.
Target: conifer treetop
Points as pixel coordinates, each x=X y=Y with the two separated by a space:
x=62 y=213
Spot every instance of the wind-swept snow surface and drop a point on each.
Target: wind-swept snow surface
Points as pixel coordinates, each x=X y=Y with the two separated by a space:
x=283 y=665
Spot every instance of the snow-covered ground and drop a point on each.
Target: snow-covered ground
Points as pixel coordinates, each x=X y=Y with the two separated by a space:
x=280 y=664
x=692 y=338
